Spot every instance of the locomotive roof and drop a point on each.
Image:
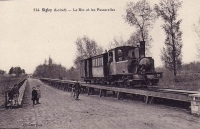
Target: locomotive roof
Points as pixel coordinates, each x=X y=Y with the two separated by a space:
x=122 y=47
x=109 y=50
x=95 y=56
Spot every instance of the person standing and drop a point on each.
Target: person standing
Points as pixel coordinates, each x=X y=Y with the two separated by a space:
x=38 y=94
x=77 y=88
x=16 y=94
x=10 y=96
x=34 y=95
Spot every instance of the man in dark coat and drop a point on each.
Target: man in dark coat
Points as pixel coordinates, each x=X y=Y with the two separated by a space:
x=34 y=95
x=10 y=96
x=77 y=88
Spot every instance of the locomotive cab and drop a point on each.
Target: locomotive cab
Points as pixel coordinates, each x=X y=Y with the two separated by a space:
x=119 y=59
x=130 y=63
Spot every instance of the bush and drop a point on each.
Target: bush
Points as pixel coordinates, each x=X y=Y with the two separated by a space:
x=187 y=79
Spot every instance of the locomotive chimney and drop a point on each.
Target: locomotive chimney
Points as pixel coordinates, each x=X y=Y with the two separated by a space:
x=142 y=48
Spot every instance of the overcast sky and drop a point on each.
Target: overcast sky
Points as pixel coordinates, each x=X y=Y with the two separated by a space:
x=27 y=38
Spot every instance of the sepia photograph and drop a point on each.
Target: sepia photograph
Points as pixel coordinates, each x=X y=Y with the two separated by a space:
x=91 y=64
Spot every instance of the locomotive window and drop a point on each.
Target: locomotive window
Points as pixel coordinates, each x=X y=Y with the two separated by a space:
x=131 y=54
x=110 y=59
x=102 y=61
x=137 y=54
x=99 y=62
x=93 y=61
x=119 y=56
x=119 y=52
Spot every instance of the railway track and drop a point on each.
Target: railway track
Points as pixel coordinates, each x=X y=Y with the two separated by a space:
x=149 y=94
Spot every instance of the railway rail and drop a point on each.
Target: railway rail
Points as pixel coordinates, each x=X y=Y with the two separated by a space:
x=192 y=97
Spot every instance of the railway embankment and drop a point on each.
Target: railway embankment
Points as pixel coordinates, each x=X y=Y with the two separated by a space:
x=59 y=110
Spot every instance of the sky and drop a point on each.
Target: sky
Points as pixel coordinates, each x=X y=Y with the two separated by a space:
x=28 y=37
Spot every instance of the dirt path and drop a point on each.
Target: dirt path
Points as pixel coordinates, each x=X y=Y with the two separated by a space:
x=59 y=110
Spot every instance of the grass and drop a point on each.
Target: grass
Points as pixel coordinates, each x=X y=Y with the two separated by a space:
x=186 y=79
x=6 y=82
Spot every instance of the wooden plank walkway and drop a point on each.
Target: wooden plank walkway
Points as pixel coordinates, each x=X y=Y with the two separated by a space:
x=149 y=95
x=179 y=95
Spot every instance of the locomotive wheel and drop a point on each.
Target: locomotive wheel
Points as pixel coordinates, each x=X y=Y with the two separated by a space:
x=136 y=82
x=154 y=82
x=121 y=84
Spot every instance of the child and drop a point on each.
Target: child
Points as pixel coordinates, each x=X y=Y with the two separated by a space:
x=34 y=95
x=38 y=94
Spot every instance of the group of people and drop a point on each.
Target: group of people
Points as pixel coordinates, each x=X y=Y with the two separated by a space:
x=13 y=94
x=36 y=95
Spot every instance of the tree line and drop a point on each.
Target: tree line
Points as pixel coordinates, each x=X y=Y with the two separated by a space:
x=2 y=72
x=49 y=69
x=16 y=70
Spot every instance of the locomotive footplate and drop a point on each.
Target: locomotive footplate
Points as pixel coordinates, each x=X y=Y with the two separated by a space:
x=156 y=75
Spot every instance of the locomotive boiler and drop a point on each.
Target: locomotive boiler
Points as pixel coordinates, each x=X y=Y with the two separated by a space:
x=124 y=66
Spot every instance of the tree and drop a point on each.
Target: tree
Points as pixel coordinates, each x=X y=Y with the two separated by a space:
x=85 y=48
x=73 y=74
x=50 y=61
x=23 y=71
x=142 y=17
x=11 y=70
x=197 y=30
x=2 y=72
x=117 y=42
x=16 y=70
x=135 y=39
x=132 y=41
x=171 y=53
x=50 y=70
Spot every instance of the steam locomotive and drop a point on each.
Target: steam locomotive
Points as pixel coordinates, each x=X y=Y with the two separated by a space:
x=124 y=66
